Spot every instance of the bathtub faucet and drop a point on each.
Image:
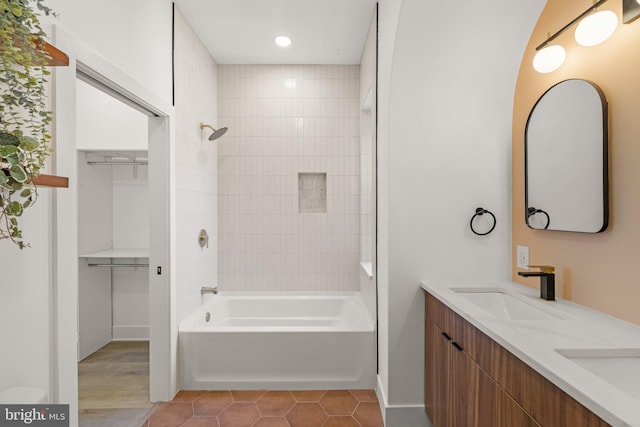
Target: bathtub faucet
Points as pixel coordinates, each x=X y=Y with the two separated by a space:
x=208 y=290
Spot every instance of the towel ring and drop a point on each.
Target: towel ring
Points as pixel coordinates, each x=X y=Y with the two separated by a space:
x=532 y=211
x=479 y=213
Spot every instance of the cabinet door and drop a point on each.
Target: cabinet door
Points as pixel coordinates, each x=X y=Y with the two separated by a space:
x=436 y=375
x=473 y=393
x=510 y=414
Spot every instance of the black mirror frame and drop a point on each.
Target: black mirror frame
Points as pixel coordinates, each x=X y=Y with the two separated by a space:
x=605 y=163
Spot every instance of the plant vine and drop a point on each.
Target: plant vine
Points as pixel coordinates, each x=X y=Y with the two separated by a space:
x=24 y=117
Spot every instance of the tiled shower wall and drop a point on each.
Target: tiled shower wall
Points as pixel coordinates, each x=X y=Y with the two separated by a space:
x=286 y=120
x=196 y=166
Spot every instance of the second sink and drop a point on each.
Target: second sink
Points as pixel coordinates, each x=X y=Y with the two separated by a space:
x=618 y=366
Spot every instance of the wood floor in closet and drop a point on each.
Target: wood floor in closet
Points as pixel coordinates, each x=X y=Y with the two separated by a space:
x=113 y=385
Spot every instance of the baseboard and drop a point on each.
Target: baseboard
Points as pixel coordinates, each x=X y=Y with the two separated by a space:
x=400 y=415
x=131 y=333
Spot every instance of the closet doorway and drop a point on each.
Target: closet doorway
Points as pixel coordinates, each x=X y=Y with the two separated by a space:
x=71 y=259
x=113 y=260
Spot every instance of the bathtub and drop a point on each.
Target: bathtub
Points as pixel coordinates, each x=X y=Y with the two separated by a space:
x=283 y=341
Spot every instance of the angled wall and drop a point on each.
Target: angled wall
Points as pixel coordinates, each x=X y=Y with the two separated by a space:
x=444 y=144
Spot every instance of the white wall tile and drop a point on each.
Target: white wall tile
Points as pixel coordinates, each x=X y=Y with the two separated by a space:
x=284 y=120
x=197 y=200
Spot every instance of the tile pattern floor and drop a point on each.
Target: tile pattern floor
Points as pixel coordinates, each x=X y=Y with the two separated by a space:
x=295 y=408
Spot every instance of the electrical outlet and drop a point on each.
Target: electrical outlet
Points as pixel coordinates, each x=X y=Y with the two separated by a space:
x=522 y=257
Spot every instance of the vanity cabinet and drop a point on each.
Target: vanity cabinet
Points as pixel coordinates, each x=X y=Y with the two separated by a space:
x=470 y=380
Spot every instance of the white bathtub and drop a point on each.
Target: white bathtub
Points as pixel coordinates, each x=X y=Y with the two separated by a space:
x=278 y=341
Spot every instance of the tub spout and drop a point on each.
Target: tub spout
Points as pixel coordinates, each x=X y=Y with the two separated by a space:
x=208 y=290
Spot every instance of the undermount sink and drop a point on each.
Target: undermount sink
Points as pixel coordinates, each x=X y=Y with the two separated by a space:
x=504 y=305
x=619 y=367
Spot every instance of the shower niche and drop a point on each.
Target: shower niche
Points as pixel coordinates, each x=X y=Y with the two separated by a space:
x=113 y=222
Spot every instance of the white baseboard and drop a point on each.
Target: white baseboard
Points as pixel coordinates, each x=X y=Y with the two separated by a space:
x=131 y=333
x=400 y=415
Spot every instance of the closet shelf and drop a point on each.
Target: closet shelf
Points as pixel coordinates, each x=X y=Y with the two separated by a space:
x=57 y=58
x=118 y=253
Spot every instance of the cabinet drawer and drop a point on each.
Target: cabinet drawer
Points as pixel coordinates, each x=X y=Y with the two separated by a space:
x=477 y=345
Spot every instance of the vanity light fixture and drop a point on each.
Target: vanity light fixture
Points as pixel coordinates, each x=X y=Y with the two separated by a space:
x=282 y=41
x=596 y=28
x=593 y=29
x=549 y=59
x=630 y=10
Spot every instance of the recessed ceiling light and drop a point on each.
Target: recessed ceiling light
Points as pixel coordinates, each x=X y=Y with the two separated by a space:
x=283 y=41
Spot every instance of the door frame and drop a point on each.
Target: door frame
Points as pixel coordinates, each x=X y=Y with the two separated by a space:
x=64 y=317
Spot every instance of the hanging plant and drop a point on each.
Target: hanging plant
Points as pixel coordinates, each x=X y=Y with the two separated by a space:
x=24 y=117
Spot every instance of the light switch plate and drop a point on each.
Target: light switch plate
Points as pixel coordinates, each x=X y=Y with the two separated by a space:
x=522 y=257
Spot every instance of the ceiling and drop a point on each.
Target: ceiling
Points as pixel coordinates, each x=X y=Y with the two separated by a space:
x=242 y=31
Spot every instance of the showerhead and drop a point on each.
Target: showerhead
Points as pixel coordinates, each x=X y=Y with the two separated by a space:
x=217 y=133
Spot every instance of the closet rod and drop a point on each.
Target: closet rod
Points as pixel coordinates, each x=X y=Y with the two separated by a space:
x=119 y=163
x=118 y=265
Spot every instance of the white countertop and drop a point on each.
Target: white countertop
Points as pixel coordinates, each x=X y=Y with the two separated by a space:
x=535 y=343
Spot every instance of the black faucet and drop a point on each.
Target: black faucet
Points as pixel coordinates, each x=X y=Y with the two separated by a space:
x=547 y=280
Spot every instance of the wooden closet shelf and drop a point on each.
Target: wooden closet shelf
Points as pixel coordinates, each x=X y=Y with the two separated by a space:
x=43 y=180
x=57 y=57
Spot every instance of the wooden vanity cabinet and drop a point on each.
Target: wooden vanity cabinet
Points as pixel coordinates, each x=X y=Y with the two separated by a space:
x=470 y=380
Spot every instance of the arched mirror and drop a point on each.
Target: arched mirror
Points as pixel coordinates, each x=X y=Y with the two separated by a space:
x=566 y=159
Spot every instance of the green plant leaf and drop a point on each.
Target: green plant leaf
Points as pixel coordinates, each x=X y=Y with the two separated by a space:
x=16 y=10
x=7 y=138
x=15 y=208
x=12 y=159
x=18 y=173
x=24 y=117
x=4 y=181
x=29 y=143
x=7 y=150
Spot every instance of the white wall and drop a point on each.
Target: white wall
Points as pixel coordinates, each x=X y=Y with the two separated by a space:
x=444 y=149
x=130 y=289
x=196 y=202
x=24 y=302
x=95 y=233
x=141 y=47
x=104 y=122
x=135 y=36
x=388 y=16
x=284 y=120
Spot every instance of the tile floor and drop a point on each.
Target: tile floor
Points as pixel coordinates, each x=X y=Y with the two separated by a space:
x=295 y=408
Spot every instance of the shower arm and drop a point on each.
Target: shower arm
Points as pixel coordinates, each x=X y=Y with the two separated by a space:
x=204 y=125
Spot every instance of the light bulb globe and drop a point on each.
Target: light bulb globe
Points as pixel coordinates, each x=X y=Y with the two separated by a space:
x=596 y=28
x=549 y=59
